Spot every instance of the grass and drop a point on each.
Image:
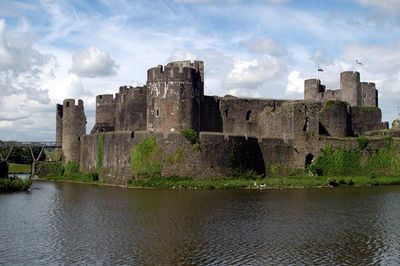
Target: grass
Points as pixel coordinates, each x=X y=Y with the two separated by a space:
x=241 y=183
x=78 y=177
x=272 y=182
x=14 y=184
x=15 y=168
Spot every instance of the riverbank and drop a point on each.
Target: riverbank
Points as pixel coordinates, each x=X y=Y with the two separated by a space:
x=14 y=184
x=15 y=168
x=241 y=183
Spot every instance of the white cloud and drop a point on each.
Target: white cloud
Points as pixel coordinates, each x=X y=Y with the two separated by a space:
x=388 y=5
x=68 y=87
x=93 y=62
x=265 y=46
x=295 y=83
x=179 y=55
x=251 y=74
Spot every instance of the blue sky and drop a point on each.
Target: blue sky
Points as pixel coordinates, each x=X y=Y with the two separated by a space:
x=51 y=50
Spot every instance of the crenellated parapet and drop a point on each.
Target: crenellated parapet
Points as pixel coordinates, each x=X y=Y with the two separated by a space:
x=182 y=71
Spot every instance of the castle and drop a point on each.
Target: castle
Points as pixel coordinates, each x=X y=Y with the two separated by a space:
x=276 y=131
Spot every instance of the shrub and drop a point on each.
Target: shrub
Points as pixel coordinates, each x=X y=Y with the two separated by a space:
x=362 y=143
x=71 y=168
x=191 y=135
x=337 y=162
x=13 y=184
x=145 y=160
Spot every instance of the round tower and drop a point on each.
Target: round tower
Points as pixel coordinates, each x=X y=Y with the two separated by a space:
x=59 y=124
x=74 y=126
x=350 y=87
x=174 y=96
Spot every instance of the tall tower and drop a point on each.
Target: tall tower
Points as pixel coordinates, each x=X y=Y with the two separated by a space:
x=350 y=87
x=59 y=124
x=73 y=127
x=174 y=96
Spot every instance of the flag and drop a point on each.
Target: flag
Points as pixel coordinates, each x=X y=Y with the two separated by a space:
x=320 y=70
x=358 y=63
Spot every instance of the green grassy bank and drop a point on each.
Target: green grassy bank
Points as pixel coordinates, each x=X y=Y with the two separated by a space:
x=242 y=183
x=14 y=184
x=15 y=168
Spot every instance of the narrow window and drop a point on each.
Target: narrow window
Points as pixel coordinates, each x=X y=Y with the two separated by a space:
x=157 y=112
x=100 y=96
x=248 y=115
x=67 y=104
x=226 y=112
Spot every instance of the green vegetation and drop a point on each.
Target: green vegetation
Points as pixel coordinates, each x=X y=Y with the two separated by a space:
x=100 y=153
x=191 y=135
x=80 y=177
x=15 y=168
x=273 y=182
x=331 y=103
x=362 y=143
x=145 y=159
x=13 y=184
x=337 y=162
x=352 y=162
x=70 y=171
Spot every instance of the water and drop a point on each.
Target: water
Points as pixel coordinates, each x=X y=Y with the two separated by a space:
x=65 y=223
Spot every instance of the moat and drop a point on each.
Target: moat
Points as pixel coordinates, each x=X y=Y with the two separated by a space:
x=66 y=223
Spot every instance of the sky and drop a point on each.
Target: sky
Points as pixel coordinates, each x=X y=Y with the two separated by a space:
x=51 y=50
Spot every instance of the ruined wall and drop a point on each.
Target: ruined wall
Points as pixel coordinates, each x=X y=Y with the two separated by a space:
x=369 y=94
x=350 y=87
x=174 y=96
x=211 y=118
x=131 y=109
x=240 y=116
x=334 y=119
x=365 y=119
x=59 y=123
x=105 y=113
x=74 y=126
x=292 y=120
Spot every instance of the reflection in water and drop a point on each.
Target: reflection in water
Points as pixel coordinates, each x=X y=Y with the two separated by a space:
x=64 y=223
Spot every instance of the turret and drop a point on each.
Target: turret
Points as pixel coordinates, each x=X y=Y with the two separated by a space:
x=313 y=89
x=105 y=113
x=369 y=95
x=174 y=96
x=73 y=127
x=350 y=87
